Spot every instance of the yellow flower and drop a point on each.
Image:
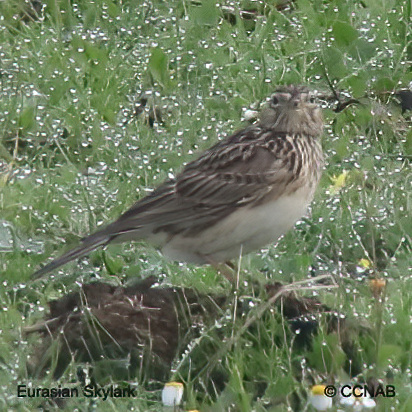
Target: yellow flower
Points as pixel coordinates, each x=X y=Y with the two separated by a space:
x=365 y=263
x=338 y=182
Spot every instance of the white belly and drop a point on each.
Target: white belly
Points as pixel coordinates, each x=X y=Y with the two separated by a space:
x=241 y=232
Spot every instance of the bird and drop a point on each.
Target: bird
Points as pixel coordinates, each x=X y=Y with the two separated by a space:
x=240 y=195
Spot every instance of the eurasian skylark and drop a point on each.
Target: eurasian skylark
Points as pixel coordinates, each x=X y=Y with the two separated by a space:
x=238 y=196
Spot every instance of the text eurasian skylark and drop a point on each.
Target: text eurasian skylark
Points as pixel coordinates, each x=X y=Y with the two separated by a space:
x=238 y=196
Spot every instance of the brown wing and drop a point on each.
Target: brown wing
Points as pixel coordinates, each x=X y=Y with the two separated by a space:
x=236 y=172
x=239 y=171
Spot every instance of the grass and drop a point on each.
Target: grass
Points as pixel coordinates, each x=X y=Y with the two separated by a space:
x=75 y=153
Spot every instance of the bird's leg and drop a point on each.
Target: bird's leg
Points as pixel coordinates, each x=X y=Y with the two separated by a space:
x=230 y=265
x=226 y=269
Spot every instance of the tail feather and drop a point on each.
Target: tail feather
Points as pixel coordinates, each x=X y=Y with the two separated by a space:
x=88 y=244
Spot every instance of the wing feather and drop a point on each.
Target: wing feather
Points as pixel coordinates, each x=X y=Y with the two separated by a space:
x=236 y=172
x=225 y=178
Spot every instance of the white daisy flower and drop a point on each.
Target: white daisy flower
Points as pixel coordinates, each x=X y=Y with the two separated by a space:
x=318 y=399
x=358 y=403
x=172 y=394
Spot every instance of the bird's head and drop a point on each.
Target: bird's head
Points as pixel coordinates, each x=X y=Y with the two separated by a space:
x=292 y=110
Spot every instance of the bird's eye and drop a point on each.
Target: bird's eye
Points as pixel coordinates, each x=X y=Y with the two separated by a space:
x=275 y=100
x=312 y=100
